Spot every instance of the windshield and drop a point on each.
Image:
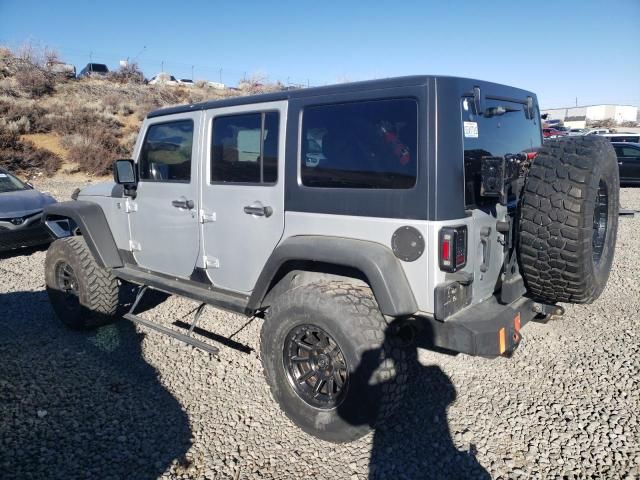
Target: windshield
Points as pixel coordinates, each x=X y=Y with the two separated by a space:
x=501 y=128
x=98 y=68
x=9 y=183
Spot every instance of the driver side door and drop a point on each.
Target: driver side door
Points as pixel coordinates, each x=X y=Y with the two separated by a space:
x=164 y=222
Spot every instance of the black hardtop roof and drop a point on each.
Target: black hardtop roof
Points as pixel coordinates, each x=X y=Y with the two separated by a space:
x=395 y=82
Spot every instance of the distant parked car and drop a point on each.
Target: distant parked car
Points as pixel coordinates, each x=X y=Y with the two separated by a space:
x=551 y=123
x=20 y=212
x=62 y=69
x=164 y=79
x=623 y=137
x=577 y=131
x=94 y=70
x=628 y=162
x=597 y=131
x=187 y=82
x=552 y=133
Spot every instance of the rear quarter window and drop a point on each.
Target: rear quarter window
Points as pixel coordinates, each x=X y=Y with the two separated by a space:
x=368 y=144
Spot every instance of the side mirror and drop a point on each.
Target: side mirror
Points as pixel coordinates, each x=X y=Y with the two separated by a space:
x=124 y=173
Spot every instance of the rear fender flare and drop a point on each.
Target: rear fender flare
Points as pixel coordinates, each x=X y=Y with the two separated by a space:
x=376 y=262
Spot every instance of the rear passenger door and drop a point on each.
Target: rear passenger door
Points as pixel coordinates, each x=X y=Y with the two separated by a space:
x=629 y=163
x=242 y=195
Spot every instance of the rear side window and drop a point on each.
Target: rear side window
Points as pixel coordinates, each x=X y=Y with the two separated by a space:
x=245 y=148
x=371 y=144
x=166 y=152
x=630 y=152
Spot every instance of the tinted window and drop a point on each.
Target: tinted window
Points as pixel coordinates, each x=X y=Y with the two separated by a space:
x=166 y=152
x=500 y=128
x=633 y=139
x=630 y=152
x=245 y=148
x=9 y=183
x=98 y=67
x=369 y=144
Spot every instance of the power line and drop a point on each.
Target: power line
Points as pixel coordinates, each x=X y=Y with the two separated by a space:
x=150 y=65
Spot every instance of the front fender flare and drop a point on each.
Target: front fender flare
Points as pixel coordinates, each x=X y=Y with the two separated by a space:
x=377 y=262
x=93 y=225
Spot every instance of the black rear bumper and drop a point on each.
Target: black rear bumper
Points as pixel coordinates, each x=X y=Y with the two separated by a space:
x=30 y=236
x=487 y=329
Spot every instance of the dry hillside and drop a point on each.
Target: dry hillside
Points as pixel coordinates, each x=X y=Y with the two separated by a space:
x=50 y=124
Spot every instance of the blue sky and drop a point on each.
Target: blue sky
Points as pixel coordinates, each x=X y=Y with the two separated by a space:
x=560 y=50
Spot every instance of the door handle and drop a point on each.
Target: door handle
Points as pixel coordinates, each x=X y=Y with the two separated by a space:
x=258 y=210
x=186 y=204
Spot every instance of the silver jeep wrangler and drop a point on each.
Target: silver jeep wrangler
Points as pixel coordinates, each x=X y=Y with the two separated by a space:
x=356 y=219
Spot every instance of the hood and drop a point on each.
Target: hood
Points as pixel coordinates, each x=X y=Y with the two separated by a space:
x=23 y=202
x=102 y=189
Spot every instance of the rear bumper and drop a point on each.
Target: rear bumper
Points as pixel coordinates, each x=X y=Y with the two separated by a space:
x=488 y=329
x=29 y=236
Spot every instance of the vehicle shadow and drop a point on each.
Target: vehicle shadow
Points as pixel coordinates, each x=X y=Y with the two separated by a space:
x=81 y=404
x=25 y=251
x=415 y=441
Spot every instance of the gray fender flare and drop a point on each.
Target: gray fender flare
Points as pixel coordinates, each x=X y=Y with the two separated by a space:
x=377 y=262
x=93 y=225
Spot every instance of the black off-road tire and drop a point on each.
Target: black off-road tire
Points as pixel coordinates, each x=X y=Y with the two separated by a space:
x=561 y=259
x=93 y=300
x=375 y=360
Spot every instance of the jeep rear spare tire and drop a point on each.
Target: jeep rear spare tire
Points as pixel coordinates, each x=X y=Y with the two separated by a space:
x=569 y=219
x=330 y=360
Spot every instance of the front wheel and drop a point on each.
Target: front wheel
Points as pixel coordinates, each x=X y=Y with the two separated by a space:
x=82 y=294
x=331 y=363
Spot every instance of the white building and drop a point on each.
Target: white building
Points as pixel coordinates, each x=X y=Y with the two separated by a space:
x=577 y=117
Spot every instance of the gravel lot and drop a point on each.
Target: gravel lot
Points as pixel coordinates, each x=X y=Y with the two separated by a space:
x=126 y=402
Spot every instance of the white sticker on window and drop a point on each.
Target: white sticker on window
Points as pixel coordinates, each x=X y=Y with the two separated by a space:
x=3 y=175
x=471 y=129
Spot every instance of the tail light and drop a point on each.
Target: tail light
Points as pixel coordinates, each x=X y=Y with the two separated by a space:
x=453 y=248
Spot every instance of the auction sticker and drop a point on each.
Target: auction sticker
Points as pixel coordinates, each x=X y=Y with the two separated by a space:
x=471 y=129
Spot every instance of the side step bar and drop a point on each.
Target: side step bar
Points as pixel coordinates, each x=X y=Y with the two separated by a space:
x=171 y=333
x=167 y=331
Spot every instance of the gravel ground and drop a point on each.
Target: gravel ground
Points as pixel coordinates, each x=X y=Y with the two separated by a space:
x=126 y=402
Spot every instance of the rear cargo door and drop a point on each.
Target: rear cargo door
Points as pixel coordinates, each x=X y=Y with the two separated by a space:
x=494 y=127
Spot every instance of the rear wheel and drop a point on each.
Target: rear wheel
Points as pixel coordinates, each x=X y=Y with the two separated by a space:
x=330 y=360
x=569 y=219
x=82 y=294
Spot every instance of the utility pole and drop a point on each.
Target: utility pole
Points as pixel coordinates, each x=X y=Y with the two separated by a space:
x=162 y=66
x=576 y=101
x=220 y=75
x=192 y=73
